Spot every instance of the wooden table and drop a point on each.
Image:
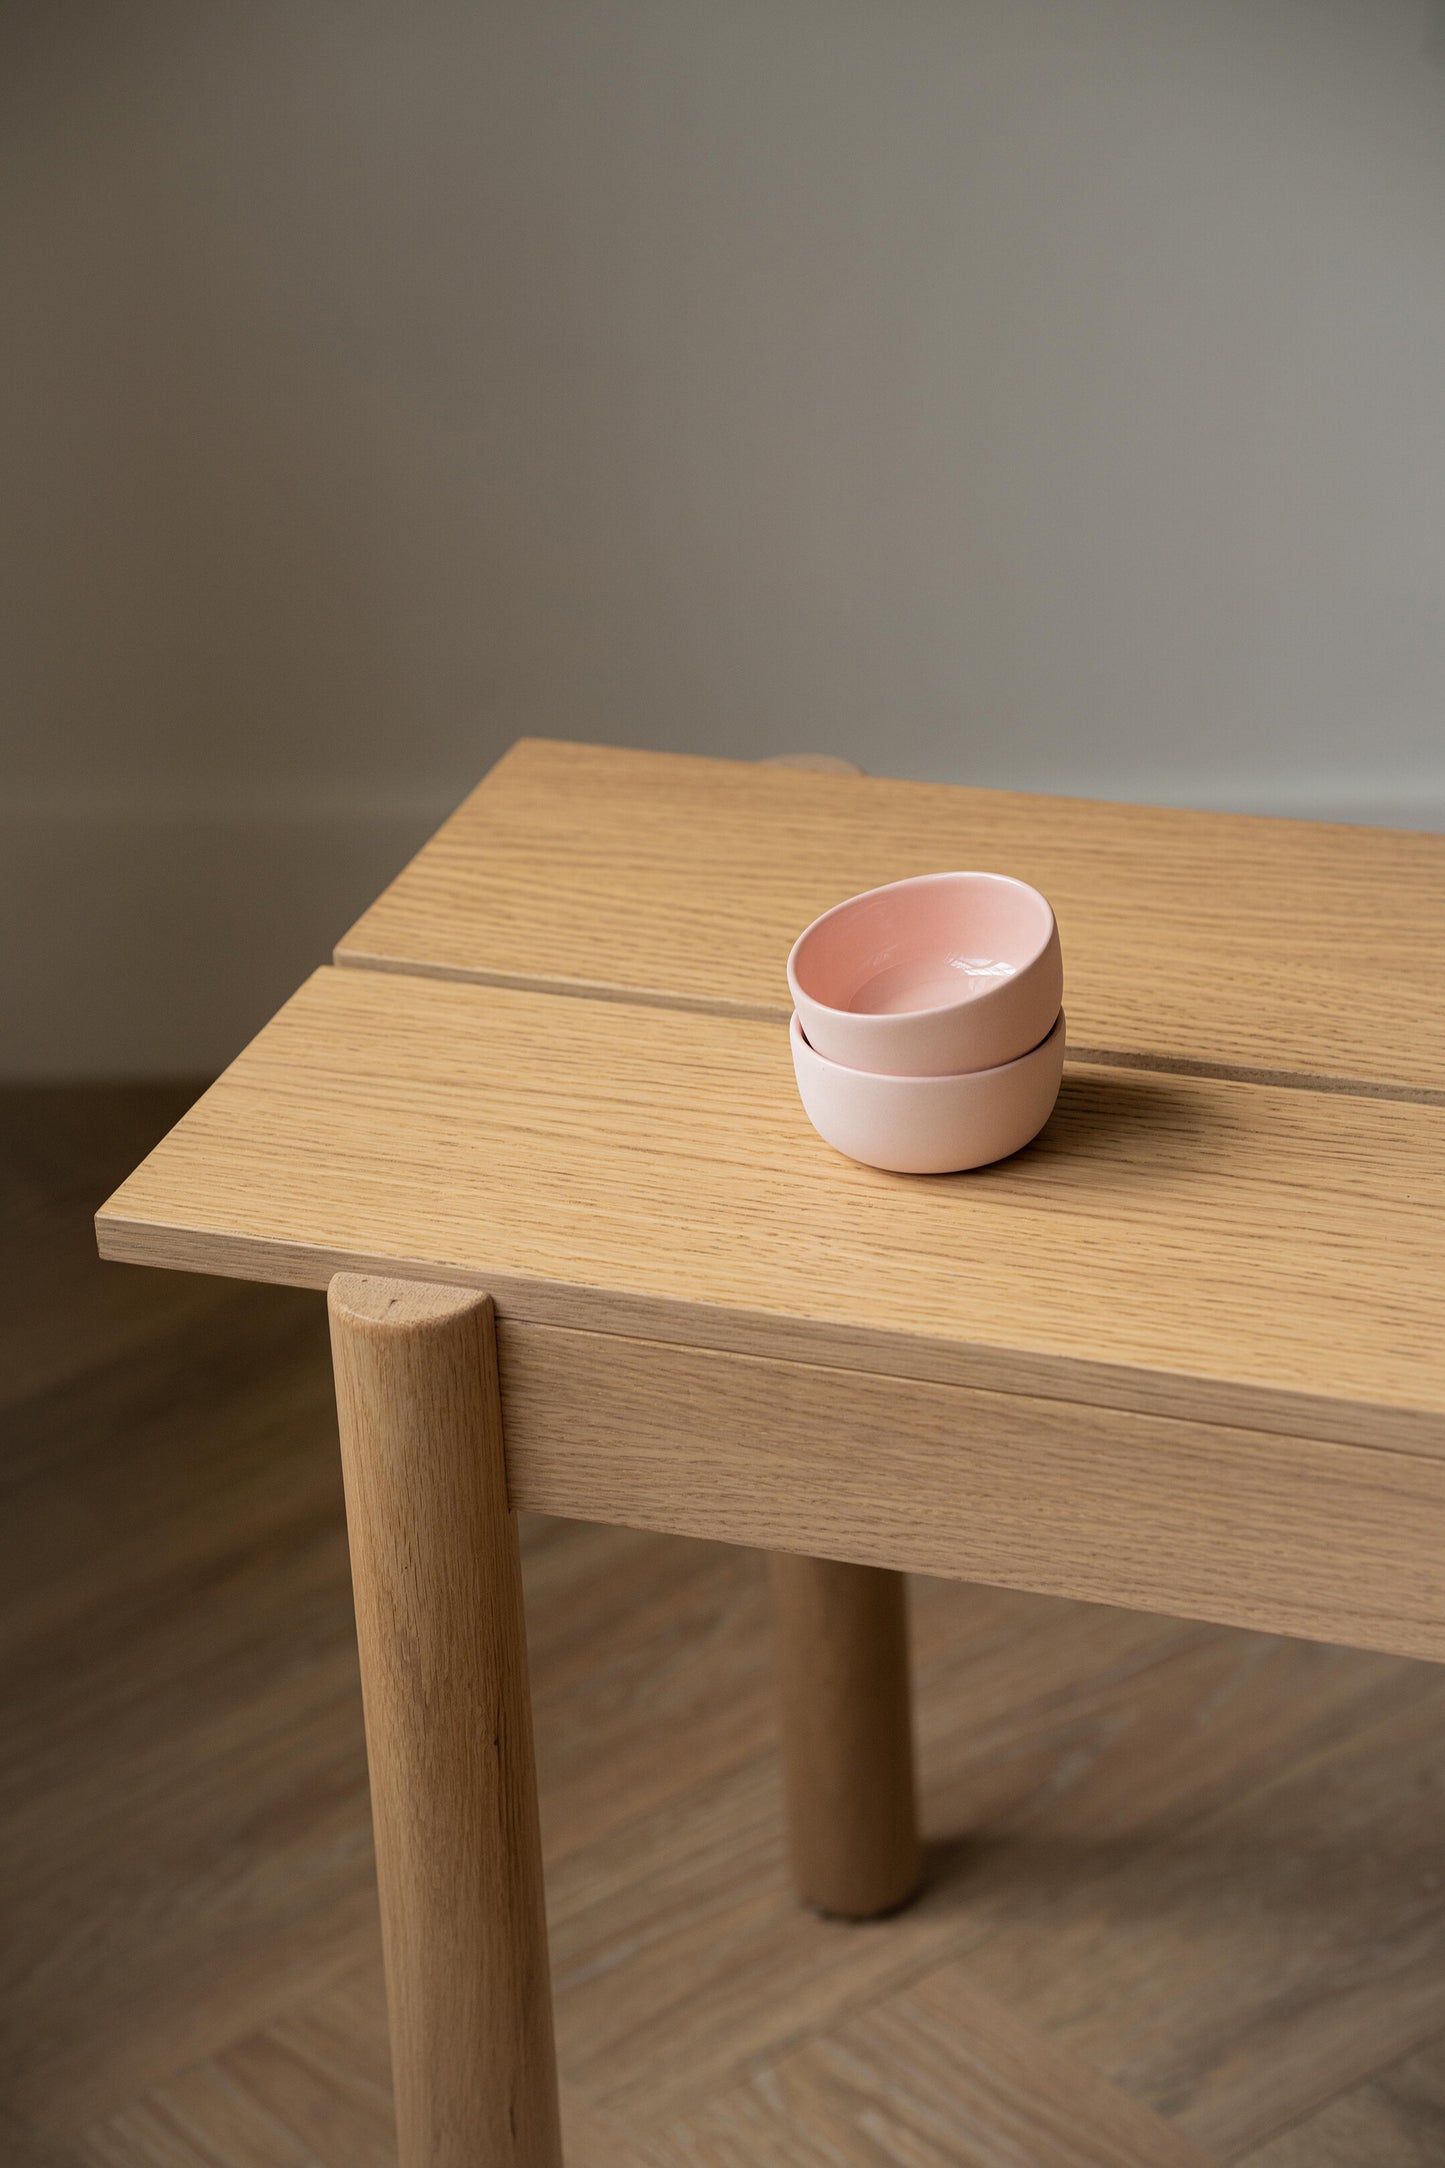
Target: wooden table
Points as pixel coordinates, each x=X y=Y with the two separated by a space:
x=536 y=1129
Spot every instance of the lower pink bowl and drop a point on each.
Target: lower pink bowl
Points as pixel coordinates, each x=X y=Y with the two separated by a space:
x=930 y=1124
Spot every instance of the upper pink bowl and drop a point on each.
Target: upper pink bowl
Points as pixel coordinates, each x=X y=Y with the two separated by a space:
x=935 y=976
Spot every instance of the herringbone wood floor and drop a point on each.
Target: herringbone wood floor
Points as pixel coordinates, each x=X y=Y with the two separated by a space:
x=1187 y=1886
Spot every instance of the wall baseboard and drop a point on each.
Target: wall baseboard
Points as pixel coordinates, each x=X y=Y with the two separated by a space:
x=147 y=942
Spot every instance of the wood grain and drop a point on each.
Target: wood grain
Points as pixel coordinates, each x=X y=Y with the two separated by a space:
x=1339 y=1543
x=203 y=2119
x=1397 y=2118
x=845 y=1723
x=1211 y=943
x=1213 y=1966
x=937 y=2076
x=438 y=1590
x=1226 y=1252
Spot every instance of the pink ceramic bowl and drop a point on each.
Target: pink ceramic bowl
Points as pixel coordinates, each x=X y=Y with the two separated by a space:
x=930 y=1124
x=929 y=977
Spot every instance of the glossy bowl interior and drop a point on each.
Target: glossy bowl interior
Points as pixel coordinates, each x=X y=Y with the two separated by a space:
x=930 y=1124
x=931 y=976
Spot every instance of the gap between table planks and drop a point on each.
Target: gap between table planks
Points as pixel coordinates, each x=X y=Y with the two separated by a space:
x=1294 y=952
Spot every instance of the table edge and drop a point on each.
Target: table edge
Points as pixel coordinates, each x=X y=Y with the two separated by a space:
x=984 y=1367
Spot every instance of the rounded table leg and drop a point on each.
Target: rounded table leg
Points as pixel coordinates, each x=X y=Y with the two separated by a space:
x=847 y=1734
x=438 y=1590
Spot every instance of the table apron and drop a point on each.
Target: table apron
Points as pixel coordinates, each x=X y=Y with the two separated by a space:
x=1289 y=1535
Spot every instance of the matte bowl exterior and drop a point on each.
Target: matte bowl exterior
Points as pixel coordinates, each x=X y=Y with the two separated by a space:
x=857 y=971
x=930 y=1124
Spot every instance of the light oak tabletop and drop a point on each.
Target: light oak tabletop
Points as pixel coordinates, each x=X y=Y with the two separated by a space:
x=1213 y=943
x=1270 y=1254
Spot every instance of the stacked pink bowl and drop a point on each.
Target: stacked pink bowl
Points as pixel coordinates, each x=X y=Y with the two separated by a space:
x=928 y=1031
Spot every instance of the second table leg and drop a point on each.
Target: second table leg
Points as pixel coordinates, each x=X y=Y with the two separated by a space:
x=847 y=1733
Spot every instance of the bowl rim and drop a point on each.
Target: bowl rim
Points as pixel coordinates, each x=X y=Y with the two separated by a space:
x=949 y=1076
x=939 y=1008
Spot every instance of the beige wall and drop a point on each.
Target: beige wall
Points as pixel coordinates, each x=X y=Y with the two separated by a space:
x=1043 y=394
